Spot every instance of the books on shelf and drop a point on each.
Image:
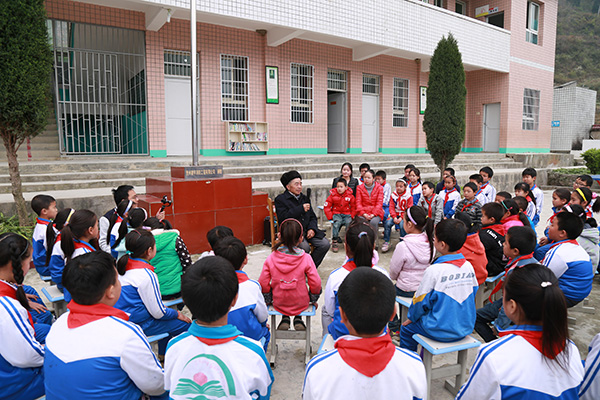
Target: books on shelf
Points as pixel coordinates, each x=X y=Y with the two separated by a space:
x=241 y=127
x=241 y=146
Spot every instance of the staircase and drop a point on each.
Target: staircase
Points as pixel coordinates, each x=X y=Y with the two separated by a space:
x=42 y=147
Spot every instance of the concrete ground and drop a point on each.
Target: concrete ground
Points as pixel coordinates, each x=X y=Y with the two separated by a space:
x=289 y=371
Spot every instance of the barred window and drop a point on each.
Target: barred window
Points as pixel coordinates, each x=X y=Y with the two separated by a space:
x=370 y=84
x=178 y=63
x=234 y=88
x=531 y=109
x=301 y=93
x=400 y=103
x=336 y=80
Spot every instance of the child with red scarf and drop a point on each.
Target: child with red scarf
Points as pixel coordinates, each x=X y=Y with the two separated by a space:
x=450 y=195
x=534 y=358
x=432 y=203
x=365 y=363
x=492 y=236
x=470 y=204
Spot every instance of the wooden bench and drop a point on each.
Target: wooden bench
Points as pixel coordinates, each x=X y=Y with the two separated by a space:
x=326 y=344
x=485 y=290
x=459 y=370
x=57 y=298
x=404 y=303
x=290 y=334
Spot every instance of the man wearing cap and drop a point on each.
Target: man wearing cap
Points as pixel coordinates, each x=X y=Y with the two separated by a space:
x=294 y=204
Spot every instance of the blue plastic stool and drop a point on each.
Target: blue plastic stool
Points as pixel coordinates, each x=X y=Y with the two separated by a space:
x=485 y=290
x=404 y=303
x=327 y=344
x=290 y=335
x=55 y=296
x=173 y=303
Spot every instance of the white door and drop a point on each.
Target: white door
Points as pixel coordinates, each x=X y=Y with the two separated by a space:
x=336 y=123
x=178 y=106
x=491 y=127
x=370 y=123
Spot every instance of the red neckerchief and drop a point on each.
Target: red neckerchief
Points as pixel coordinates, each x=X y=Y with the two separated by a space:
x=479 y=191
x=410 y=186
x=119 y=219
x=79 y=244
x=429 y=204
x=8 y=290
x=212 y=342
x=469 y=204
x=80 y=315
x=512 y=264
x=448 y=194
x=534 y=338
x=138 y=263
x=498 y=228
x=572 y=241
x=242 y=277
x=42 y=221
x=483 y=186
x=369 y=356
x=350 y=265
x=528 y=198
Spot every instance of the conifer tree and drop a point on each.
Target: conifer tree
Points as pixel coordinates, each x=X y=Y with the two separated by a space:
x=444 y=119
x=25 y=67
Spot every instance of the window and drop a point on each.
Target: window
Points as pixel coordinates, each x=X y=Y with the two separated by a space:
x=531 y=109
x=177 y=63
x=438 y=3
x=533 y=20
x=336 y=80
x=302 y=93
x=400 y=103
x=370 y=84
x=461 y=8
x=234 y=88
x=496 y=19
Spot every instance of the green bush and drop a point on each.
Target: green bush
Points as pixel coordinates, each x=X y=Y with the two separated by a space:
x=592 y=160
x=11 y=224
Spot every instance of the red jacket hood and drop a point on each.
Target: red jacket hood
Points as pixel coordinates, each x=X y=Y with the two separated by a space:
x=474 y=252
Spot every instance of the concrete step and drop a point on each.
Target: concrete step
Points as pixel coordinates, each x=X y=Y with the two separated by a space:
x=87 y=175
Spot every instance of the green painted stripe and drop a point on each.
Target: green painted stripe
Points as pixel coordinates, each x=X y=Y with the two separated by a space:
x=472 y=149
x=158 y=153
x=402 y=150
x=354 y=150
x=524 y=150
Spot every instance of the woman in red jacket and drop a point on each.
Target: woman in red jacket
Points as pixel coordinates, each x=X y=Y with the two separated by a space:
x=369 y=200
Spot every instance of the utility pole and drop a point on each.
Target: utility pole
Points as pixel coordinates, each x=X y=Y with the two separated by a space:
x=195 y=149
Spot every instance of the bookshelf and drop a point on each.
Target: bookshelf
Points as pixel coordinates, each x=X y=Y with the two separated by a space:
x=246 y=136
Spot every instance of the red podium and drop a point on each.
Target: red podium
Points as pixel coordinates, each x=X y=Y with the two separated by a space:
x=201 y=204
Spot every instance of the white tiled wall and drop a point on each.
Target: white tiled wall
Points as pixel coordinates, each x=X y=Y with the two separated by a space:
x=575 y=108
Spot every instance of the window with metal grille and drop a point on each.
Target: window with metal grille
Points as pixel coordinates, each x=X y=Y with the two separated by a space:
x=531 y=109
x=177 y=63
x=370 y=84
x=301 y=93
x=234 y=88
x=400 y=103
x=533 y=20
x=336 y=80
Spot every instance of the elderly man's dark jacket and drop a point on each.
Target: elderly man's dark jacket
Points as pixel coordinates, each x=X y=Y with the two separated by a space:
x=287 y=206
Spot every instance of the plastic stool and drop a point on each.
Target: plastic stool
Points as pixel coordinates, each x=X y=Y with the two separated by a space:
x=290 y=335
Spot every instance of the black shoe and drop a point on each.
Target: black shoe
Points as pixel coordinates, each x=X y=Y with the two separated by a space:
x=299 y=324
x=284 y=325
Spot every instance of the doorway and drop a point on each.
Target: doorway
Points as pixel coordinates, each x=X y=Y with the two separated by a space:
x=178 y=105
x=370 y=114
x=491 y=127
x=496 y=20
x=336 y=122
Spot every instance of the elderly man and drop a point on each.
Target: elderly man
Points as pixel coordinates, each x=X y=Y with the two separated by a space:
x=293 y=204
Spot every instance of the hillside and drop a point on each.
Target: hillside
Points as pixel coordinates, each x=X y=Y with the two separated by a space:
x=578 y=45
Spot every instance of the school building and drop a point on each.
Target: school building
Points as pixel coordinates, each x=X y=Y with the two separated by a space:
x=295 y=77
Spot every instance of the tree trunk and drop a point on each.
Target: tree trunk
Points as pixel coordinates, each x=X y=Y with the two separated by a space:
x=15 y=180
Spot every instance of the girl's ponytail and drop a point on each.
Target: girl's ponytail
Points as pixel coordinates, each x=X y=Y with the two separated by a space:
x=137 y=243
x=512 y=206
x=360 y=238
x=59 y=223
x=136 y=217
x=418 y=216
x=79 y=223
x=122 y=211
x=523 y=218
x=122 y=263
x=14 y=249
x=290 y=232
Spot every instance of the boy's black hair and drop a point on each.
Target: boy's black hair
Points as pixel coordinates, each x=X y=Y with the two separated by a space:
x=451 y=170
x=522 y=238
x=429 y=184
x=470 y=185
x=364 y=165
x=589 y=181
x=487 y=170
x=41 y=201
x=529 y=171
x=344 y=182
x=570 y=223
x=121 y=193
x=381 y=173
x=524 y=187
x=493 y=210
x=453 y=232
x=468 y=221
x=233 y=250
x=505 y=195
x=217 y=233
x=208 y=288
x=88 y=276
x=477 y=178
x=409 y=166
x=368 y=300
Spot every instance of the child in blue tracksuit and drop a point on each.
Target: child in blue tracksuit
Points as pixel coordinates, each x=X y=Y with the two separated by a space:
x=249 y=313
x=451 y=196
x=140 y=291
x=380 y=177
x=45 y=207
x=443 y=306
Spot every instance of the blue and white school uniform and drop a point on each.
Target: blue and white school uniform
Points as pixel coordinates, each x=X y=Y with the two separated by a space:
x=489 y=192
x=590 y=387
x=416 y=191
x=365 y=368
x=572 y=266
x=480 y=196
x=250 y=314
x=141 y=299
x=58 y=261
x=93 y=352
x=38 y=242
x=531 y=212
x=443 y=306
x=214 y=360
x=331 y=310
x=451 y=200
x=513 y=367
x=114 y=235
x=21 y=355
x=539 y=201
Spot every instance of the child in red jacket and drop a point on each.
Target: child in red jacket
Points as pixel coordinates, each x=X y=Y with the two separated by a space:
x=284 y=275
x=340 y=207
x=473 y=249
x=369 y=200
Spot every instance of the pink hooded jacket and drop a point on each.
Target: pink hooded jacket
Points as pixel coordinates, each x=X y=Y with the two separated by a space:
x=409 y=261
x=285 y=274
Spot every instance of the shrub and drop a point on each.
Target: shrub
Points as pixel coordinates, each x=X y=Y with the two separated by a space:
x=592 y=160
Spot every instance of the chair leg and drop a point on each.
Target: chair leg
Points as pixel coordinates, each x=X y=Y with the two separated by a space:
x=308 y=347
x=460 y=378
x=273 y=344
